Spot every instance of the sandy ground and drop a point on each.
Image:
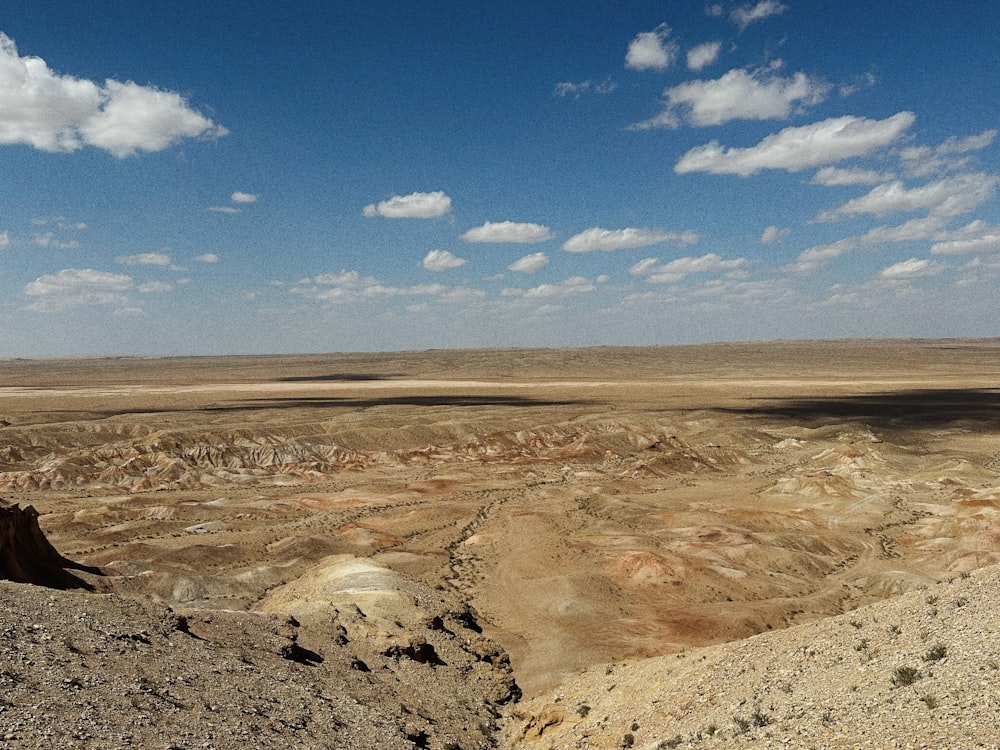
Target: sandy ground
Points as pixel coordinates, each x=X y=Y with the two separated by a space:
x=589 y=505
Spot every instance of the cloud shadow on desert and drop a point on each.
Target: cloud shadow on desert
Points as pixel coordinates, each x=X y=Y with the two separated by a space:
x=910 y=408
x=448 y=400
x=339 y=377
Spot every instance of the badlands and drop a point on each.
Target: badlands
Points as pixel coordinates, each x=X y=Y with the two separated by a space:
x=779 y=544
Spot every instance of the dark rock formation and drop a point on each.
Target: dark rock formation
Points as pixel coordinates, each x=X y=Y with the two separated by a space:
x=27 y=556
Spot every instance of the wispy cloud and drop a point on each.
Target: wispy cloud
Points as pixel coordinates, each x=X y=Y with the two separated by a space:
x=576 y=90
x=508 y=231
x=798 y=148
x=914 y=268
x=773 y=234
x=652 y=50
x=207 y=258
x=951 y=196
x=144 y=259
x=61 y=113
x=921 y=161
x=73 y=287
x=49 y=239
x=412 y=206
x=748 y=14
x=608 y=240
x=676 y=270
x=240 y=197
x=977 y=237
x=839 y=177
x=568 y=288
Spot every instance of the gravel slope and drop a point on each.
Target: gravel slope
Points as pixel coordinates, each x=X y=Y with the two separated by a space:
x=918 y=671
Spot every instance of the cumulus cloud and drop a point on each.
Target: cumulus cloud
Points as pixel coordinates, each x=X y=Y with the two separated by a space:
x=977 y=237
x=529 y=263
x=207 y=258
x=61 y=113
x=737 y=95
x=144 y=259
x=798 y=148
x=441 y=260
x=567 y=288
x=703 y=55
x=913 y=268
x=951 y=196
x=748 y=14
x=676 y=270
x=239 y=197
x=412 y=206
x=508 y=231
x=73 y=287
x=839 y=177
x=651 y=50
x=773 y=234
x=607 y=240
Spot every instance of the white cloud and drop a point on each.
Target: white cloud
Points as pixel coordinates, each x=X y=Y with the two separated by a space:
x=4 y=239
x=798 y=148
x=837 y=177
x=921 y=161
x=60 y=113
x=508 y=231
x=923 y=228
x=239 y=197
x=441 y=260
x=412 y=206
x=73 y=287
x=608 y=240
x=529 y=263
x=703 y=55
x=144 y=259
x=951 y=196
x=462 y=295
x=773 y=234
x=748 y=14
x=350 y=286
x=154 y=287
x=976 y=237
x=224 y=209
x=912 y=269
x=651 y=50
x=677 y=269
x=568 y=288
x=737 y=95
x=207 y=258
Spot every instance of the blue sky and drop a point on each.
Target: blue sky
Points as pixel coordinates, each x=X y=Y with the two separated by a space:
x=257 y=177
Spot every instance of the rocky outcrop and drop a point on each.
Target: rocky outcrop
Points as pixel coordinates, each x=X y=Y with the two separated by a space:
x=27 y=556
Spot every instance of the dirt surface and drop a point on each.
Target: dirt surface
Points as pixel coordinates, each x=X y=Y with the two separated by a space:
x=588 y=505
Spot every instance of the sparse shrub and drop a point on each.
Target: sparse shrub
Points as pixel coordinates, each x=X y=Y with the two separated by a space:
x=961 y=602
x=964 y=574
x=936 y=653
x=628 y=740
x=742 y=725
x=672 y=742
x=826 y=717
x=711 y=729
x=857 y=624
x=582 y=710
x=932 y=599
x=894 y=630
x=635 y=726
x=929 y=700
x=905 y=675
x=760 y=719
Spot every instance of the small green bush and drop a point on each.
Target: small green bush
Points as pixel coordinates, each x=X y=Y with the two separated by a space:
x=904 y=675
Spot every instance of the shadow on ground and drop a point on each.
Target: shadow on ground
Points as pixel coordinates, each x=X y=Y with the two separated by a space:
x=912 y=408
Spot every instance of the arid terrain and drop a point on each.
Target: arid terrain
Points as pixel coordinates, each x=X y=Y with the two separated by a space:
x=471 y=545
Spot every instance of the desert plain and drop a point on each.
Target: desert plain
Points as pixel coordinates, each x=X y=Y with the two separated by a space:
x=480 y=529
